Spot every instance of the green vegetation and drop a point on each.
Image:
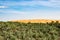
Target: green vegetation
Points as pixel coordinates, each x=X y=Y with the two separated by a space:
x=29 y=31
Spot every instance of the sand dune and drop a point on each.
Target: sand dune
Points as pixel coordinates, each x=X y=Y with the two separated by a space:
x=36 y=21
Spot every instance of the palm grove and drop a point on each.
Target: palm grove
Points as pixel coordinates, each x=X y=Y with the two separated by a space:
x=29 y=31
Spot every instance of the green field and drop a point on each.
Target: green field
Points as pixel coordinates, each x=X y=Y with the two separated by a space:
x=29 y=31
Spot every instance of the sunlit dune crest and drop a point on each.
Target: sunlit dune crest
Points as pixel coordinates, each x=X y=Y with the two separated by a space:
x=36 y=21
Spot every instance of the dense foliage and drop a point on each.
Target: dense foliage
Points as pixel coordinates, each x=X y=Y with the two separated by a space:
x=29 y=31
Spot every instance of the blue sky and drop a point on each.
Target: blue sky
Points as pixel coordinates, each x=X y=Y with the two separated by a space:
x=29 y=9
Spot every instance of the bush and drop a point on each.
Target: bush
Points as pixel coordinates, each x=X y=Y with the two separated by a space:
x=29 y=31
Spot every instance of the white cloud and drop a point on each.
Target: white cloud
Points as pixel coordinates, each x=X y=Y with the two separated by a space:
x=54 y=0
x=3 y=6
x=50 y=3
x=13 y=12
x=38 y=0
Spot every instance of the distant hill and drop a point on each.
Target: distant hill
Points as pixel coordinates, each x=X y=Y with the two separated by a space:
x=36 y=21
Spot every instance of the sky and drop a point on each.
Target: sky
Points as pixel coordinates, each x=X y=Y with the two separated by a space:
x=29 y=9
